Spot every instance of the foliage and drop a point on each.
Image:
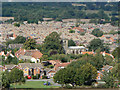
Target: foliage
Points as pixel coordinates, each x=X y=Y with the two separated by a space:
x=116 y=71
x=61 y=57
x=11 y=60
x=30 y=44
x=17 y=24
x=5 y=79
x=97 y=43
x=96 y=32
x=71 y=43
x=44 y=77
x=71 y=31
x=75 y=75
x=109 y=79
x=19 y=39
x=116 y=53
x=17 y=76
x=82 y=33
x=53 y=42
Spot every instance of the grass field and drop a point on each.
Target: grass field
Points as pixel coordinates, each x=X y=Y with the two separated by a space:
x=33 y=84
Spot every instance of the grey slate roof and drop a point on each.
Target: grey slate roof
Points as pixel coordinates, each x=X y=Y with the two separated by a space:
x=13 y=46
x=31 y=65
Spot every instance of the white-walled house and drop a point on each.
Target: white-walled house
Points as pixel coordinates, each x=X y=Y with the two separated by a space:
x=33 y=55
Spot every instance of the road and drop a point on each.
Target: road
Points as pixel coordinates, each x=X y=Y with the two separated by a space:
x=49 y=80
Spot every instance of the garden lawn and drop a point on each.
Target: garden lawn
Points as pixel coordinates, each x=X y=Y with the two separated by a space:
x=33 y=84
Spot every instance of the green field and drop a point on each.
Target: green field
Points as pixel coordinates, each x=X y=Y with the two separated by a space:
x=33 y=84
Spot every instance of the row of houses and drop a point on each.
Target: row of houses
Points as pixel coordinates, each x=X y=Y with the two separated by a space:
x=36 y=68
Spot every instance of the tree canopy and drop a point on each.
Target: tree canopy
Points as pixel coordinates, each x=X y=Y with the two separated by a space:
x=71 y=43
x=96 y=44
x=96 y=32
x=30 y=44
x=53 y=42
x=76 y=76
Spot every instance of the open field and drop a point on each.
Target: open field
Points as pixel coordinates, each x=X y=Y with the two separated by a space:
x=33 y=84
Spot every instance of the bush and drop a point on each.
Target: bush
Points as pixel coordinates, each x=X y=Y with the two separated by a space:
x=17 y=24
x=72 y=31
x=26 y=77
x=34 y=77
x=44 y=77
x=51 y=66
x=37 y=76
x=68 y=86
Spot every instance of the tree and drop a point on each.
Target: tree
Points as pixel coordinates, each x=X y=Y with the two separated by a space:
x=17 y=76
x=109 y=79
x=19 y=39
x=30 y=44
x=76 y=74
x=85 y=73
x=17 y=24
x=96 y=32
x=116 y=53
x=95 y=44
x=71 y=43
x=53 y=42
x=11 y=60
x=71 y=31
x=5 y=79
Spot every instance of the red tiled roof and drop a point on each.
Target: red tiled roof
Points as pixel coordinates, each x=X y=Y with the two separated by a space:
x=34 y=53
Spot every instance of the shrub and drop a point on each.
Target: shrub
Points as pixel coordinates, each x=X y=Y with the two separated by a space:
x=17 y=24
x=44 y=77
x=68 y=86
x=71 y=31
x=26 y=77
x=51 y=66
x=34 y=77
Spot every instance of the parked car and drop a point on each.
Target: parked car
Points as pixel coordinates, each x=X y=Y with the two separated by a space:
x=29 y=77
x=47 y=83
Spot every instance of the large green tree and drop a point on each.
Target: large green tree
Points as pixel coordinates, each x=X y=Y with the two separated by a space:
x=5 y=79
x=96 y=32
x=109 y=80
x=19 y=39
x=53 y=42
x=16 y=76
x=77 y=73
x=116 y=53
x=71 y=43
x=10 y=60
x=30 y=44
x=96 y=44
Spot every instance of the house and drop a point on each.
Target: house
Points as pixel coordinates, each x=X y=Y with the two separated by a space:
x=2 y=53
x=31 y=68
x=10 y=67
x=51 y=73
x=33 y=55
x=54 y=62
x=104 y=54
x=79 y=29
x=88 y=52
x=2 y=68
x=13 y=46
x=106 y=68
x=59 y=66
